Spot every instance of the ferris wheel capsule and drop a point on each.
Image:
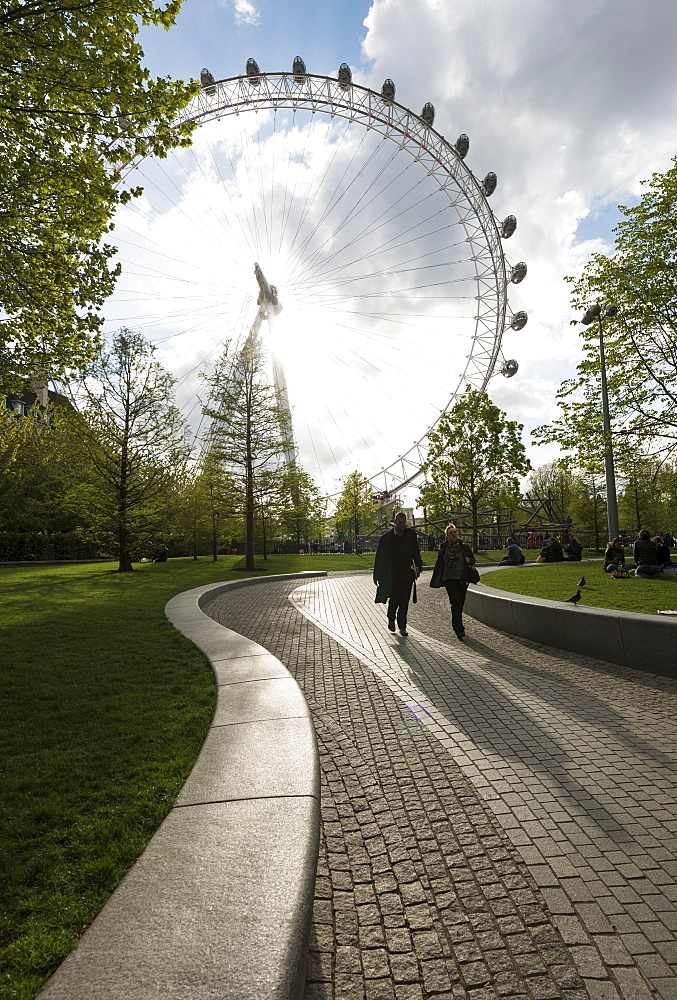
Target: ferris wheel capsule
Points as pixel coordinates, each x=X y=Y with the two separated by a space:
x=253 y=72
x=428 y=113
x=510 y=368
x=508 y=226
x=388 y=90
x=489 y=183
x=518 y=273
x=519 y=320
x=462 y=145
x=298 y=69
x=207 y=81
x=345 y=76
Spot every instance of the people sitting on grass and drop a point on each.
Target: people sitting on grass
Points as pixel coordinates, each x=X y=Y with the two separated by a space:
x=646 y=556
x=574 y=550
x=515 y=556
x=614 y=558
x=556 y=549
x=664 y=555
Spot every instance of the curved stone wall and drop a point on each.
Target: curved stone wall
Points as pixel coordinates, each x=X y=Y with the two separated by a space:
x=644 y=642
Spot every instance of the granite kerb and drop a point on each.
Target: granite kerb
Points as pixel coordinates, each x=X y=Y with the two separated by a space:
x=220 y=902
x=630 y=639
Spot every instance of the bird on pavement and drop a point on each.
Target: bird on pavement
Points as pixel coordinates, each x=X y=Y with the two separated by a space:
x=574 y=599
x=581 y=582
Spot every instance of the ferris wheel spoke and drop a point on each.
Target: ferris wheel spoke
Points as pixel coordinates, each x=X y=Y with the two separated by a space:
x=373 y=229
x=334 y=201
x=340 y=278
x=292 y=250
x=368 y=229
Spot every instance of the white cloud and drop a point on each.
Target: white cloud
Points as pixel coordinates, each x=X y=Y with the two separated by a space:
x=571 y=103
x=246 y=12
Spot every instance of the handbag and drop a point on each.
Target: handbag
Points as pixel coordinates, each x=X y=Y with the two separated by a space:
x=474 y=574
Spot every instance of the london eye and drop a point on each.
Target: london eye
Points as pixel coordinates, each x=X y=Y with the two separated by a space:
x=376 y=235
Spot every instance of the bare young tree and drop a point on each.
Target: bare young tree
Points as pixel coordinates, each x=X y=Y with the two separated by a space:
x=134 y=438
x=250 y=430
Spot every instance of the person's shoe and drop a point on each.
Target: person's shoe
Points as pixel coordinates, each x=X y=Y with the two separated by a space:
x=461 y=635
x=403 y=631
x=391 y=625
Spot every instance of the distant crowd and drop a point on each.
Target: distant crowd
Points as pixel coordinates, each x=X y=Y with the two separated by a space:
x=651 y=554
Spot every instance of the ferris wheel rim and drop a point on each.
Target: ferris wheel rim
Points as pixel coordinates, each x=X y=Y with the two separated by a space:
x=329 y=96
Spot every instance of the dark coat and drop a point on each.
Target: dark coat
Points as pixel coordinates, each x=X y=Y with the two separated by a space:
x=646 y=553
x=438 y=571
x=383 y=563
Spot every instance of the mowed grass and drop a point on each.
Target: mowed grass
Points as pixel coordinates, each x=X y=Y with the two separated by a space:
x=105 y=707
x=558 y=581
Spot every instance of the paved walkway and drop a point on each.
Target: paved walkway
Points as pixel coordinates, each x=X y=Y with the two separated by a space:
x=499 y=820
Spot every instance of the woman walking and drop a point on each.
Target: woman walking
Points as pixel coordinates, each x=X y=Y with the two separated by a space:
x=452 y=572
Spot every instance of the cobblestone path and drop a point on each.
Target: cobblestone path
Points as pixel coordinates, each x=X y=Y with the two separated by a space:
x=499 y=820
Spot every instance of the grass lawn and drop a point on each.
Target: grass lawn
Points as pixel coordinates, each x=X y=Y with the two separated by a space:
x=105 y=707
x=557 y=581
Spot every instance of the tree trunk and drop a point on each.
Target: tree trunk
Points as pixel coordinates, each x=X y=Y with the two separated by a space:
x=595 y=511
x=249 y=521
x=638 y=516
x=473 y=510
x=124 y=555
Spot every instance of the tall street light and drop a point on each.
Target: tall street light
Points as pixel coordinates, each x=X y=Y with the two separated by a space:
x=595 y=312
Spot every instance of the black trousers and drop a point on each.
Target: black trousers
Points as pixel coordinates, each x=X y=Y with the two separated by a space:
x=400 y=595
x=456 y=592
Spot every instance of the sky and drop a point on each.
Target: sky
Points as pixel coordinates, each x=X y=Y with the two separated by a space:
x=571 y=102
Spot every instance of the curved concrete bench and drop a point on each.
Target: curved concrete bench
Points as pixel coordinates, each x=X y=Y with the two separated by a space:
x=219 y=904
x=627 y=638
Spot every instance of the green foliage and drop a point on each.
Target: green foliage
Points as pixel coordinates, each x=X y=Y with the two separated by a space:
x=132 y=442
x=552 y=479
x=475 y=458
x=640 y=341
x=34 y=470
x=208 y=504
x=301 y=509
x=76 y=102
x=355 y=505
x=587 y=505
x=250 y=429
x=649 y=496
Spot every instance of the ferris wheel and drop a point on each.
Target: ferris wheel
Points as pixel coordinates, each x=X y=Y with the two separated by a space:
x=373 y=232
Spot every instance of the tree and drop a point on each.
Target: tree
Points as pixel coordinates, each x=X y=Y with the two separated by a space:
x=135 y=439
x=75 y=103
x=640 y=340
x=208 y=504
x=355 y=502
x=36 y=466
x=302 y=512
x=641 y=503
x=477 y=454
x=250 y=430
x=552 y=479
x=588 y=502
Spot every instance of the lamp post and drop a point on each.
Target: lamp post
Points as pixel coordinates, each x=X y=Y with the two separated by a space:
x=595 y=312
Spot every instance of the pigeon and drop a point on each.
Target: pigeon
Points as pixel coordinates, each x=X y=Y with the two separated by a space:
x=574 y=599
x=581 y=582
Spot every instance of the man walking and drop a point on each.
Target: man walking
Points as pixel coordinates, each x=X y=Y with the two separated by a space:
x=396 y=566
